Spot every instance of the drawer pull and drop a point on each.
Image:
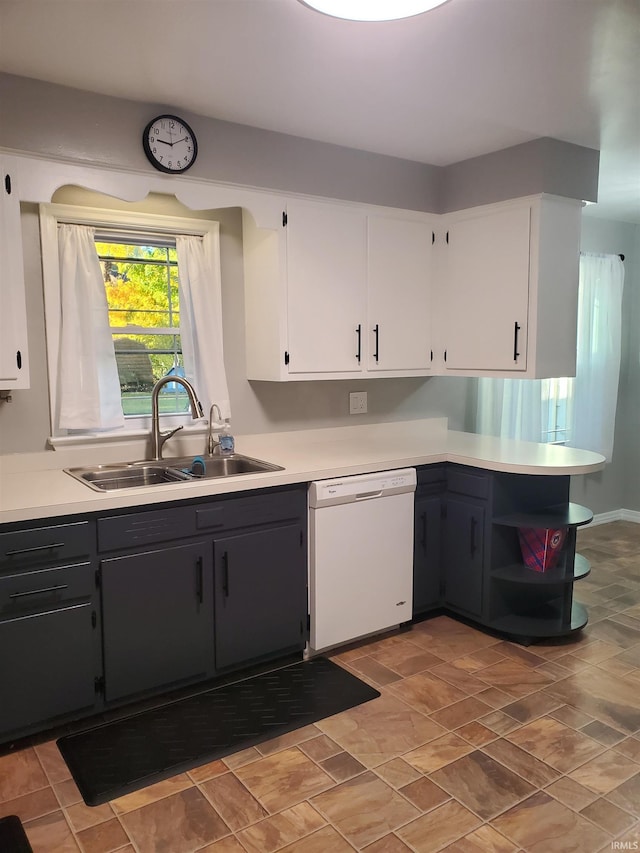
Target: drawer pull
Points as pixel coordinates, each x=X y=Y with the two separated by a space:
x=39 y=591
x=35 y=548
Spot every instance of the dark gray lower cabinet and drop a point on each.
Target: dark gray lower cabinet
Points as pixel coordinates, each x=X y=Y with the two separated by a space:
x=464 y=554
x=47 y=666
x=260 y=594
x=427 y=542
x=157 y=615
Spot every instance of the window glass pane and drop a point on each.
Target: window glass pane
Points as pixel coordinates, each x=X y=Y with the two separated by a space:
x=141 y=284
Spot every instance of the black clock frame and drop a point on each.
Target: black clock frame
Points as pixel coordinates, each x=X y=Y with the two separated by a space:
x=147 y=148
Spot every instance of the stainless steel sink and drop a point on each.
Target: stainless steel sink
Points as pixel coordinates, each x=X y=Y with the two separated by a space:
x=220 y=466
x=107 y=478
x=133 y=475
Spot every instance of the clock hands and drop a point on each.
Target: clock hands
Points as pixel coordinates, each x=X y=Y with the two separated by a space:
x=164 y=141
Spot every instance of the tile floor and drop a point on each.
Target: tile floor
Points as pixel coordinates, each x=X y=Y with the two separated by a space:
x=476 y=745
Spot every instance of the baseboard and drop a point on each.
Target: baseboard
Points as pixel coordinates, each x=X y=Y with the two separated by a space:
x=615 y=515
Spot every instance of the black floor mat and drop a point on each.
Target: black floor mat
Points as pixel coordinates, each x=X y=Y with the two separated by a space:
x=12 y=836
x=128 y=754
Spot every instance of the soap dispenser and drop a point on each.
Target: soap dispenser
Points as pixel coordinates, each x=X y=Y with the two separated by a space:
x=227 y=441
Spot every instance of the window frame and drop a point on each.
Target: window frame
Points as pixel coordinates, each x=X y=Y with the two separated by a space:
x=51 y=215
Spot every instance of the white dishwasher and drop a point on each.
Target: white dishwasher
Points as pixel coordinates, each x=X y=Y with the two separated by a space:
x=360 y=555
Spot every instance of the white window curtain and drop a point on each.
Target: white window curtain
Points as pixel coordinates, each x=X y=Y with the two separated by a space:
x=201 y=319
x=519 y=408
x=88 y=385
x=595 y=387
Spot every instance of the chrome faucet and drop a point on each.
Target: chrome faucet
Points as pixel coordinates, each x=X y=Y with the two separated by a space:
x=158 y=438
x=211 y=441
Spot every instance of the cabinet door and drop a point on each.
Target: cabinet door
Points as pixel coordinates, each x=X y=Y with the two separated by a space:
x=487 y=291
x=463 y=555
x=46 y=665
x=157 y=618
x=399 y=294
x=427 y=552
x=260 y=594
x=14 y=357
x=326 y=269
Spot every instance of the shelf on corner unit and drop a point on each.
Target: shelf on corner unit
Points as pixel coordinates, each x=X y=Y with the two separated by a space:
x=564 y=515
x=519 y=573
x=539 y=627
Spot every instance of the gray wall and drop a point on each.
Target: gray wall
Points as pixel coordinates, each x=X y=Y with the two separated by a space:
x=618 y=485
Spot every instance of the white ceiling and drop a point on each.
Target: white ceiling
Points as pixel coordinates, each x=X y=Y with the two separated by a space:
x=469 y=77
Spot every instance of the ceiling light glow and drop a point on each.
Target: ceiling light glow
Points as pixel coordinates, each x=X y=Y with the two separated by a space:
x=373 y=10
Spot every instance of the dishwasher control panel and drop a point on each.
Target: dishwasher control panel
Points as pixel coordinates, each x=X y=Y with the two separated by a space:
x=361 y=487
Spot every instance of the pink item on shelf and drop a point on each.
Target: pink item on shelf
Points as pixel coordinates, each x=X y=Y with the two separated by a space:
x=541 y=546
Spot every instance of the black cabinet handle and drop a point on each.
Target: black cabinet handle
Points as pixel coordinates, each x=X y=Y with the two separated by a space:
x=359 y=334
x=199 y=580
x=225 y=574
x=35 y=548
x=516 y=329
x=376 y=332
x=472 y=536
x=423 y=540
x=39 y=591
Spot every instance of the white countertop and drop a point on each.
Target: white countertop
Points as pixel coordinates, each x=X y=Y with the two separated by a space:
x=33 y=485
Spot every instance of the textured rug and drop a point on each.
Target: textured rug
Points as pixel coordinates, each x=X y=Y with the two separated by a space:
x=128 y=754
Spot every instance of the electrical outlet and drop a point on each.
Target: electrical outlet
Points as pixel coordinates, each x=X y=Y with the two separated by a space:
x=358 y=403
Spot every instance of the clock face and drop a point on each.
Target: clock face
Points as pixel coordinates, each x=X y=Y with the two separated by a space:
x=170 y=144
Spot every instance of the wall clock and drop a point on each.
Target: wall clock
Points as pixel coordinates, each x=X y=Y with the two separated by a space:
x=170 y=144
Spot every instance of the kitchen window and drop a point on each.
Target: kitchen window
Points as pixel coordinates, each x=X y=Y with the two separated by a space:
x=129 y=298
x=141 y=284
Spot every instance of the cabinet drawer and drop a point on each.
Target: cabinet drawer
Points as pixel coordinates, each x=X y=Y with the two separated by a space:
x=33 y=590
x=251 y=511
x=39 y=545
x=468 y=483
x=145 y=528
x=431 y=475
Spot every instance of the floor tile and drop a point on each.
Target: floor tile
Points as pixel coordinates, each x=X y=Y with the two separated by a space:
x=319 y=748
x=30 y=806
x=521 y=762
x=20 y=773
x=364 y=809
x=389 y=844
x=406 y=658
x=610 y=699
x=611 y=818
x=379 y=731
x=602 y=733
x=81 y=816
x=51 y=833
x=541 y=824
x=555 y=744
x=103 y=837
x=514 y=678
x=342 y=766
x=282 y=829
x=397 y=772
x=374 y=671
x=627 y=795
x=482 y=785
x=235 y=805
x=460 y=713
x=427 y=693
x=322 y=841
x=482 y=840
x=439 y=827
x=438 y=753
x=153 y=827
x=459 y=677
x=52 y=761
x=576 y=796
x=630 y=747
x=425 y=794
x=476 y=733
x=532 y=706
x=606 y=772
x=151 y=794
x=284 y=779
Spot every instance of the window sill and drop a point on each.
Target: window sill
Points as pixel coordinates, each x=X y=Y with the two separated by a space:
x=92 y=439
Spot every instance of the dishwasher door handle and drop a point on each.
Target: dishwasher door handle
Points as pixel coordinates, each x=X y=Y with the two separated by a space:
x=367 y=496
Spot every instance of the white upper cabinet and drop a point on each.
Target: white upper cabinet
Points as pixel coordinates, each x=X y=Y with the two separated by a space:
x=399 y=295
x=509 y=287
x=339 y=292
x=14 y=354
x=326 y=285
x=486 y=291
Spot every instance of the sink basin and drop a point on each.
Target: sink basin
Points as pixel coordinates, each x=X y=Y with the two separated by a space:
x=222 y=466
x=133 y=475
